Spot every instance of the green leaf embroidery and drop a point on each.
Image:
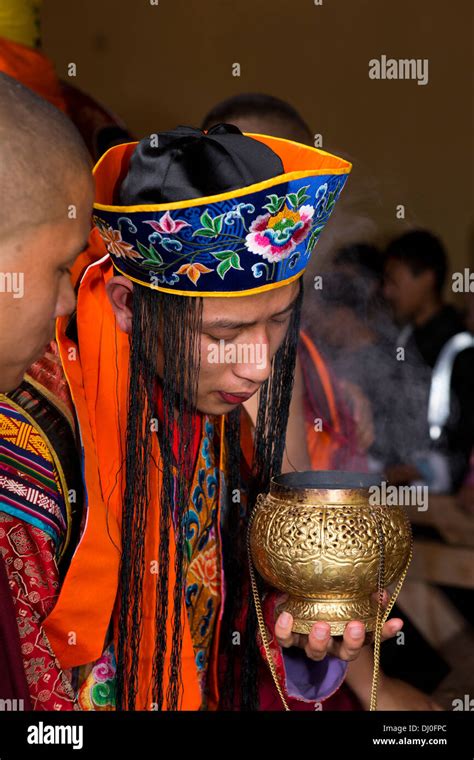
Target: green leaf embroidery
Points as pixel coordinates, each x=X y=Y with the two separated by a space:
x=235 y=261
x=143 y=250
x=217 y=221
x=211 y=226
x=149 y=254
x=302 y=195
x=204 y=232
x=229 y=260
x=275 y=203
x=154 y=264
x=313 y=238
x=223 y=267
x=331 y=200
x=297 y=199
x=206 y=220
x=223 y=255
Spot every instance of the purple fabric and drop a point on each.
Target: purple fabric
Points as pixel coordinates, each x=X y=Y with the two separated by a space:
x=310 y=679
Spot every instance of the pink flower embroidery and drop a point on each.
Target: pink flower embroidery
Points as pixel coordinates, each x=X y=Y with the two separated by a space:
x=276 y=236
x=167 y=225
x=104 y=670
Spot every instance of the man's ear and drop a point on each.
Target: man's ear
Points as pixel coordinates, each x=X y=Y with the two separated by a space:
x=119 y=291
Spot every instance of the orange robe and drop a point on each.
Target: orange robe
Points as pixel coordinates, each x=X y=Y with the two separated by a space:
x=97 y=377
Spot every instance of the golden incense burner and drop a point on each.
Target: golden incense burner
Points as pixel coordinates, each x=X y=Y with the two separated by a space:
x=325 y=539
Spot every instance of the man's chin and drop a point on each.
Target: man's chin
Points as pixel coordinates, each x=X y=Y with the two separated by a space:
x=215 y=408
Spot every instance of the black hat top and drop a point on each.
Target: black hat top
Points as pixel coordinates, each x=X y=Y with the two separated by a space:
x=188 y=163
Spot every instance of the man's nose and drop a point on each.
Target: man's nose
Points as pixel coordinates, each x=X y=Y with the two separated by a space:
x=253 y=361
x=67 y=300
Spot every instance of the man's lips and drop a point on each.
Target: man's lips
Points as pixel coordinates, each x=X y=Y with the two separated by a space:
x=232 y=398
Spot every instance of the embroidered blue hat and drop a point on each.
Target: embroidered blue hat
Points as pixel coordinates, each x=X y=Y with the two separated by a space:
x=216 y=213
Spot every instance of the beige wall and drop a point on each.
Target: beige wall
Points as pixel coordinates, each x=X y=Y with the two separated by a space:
x=158 y=66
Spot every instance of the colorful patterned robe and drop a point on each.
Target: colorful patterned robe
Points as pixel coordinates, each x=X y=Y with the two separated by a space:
x=35 y=523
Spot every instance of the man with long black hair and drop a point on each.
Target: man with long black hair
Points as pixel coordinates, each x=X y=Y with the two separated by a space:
x=188 y=303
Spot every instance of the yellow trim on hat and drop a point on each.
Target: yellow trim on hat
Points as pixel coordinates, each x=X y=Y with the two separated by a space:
x=213 y=294
x=256 y=187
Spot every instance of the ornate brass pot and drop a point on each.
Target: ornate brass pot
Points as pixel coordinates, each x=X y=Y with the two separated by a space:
x=322 y=538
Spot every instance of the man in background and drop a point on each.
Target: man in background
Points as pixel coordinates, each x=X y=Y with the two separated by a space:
x=435 y=339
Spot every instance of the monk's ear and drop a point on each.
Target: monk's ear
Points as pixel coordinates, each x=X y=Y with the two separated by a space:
x=119 y=291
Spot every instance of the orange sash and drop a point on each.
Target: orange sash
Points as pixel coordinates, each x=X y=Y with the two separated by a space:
x=33 y=69
x=78 y=624
x=321 y=444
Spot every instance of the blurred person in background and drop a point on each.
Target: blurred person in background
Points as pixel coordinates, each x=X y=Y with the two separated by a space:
x=438 y=358
x=22 y=58
x=345 y=333
x=466 y=493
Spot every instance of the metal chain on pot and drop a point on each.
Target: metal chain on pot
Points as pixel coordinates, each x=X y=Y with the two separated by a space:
x=258 y=610
x=382 y=616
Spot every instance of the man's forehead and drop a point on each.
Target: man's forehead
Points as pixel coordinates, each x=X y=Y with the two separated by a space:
x=250 y=308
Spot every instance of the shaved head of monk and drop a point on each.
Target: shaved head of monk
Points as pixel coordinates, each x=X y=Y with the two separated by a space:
x=47 y=194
